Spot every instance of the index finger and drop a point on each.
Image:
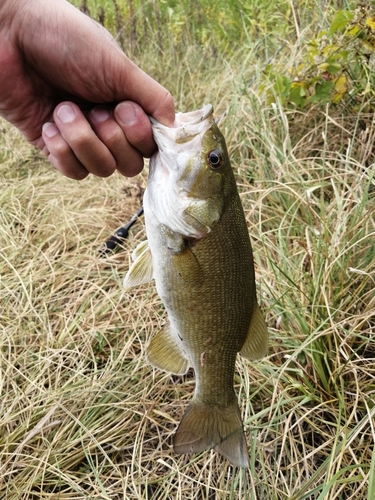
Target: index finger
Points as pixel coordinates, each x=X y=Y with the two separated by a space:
x=149 y=94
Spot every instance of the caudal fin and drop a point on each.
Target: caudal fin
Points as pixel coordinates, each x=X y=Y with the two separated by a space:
x=204 y=427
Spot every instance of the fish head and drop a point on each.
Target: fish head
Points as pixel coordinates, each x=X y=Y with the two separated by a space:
x=188 y=181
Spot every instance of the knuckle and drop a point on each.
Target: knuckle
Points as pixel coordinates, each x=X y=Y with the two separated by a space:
x=113 y=136
x=130 y=166
x=167 y=104
x=143 y=138
x=106 y=172
x=81 y=139
x=61 y=150
x=73 y=171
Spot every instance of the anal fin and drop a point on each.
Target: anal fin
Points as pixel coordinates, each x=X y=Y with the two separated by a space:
x=256 y=343
x=164 y=353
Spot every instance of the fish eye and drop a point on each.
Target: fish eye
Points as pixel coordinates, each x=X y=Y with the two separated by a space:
x=215 y=159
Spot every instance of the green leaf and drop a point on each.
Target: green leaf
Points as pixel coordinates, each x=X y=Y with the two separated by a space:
x=297 y=95
x=341 y=19
x=282 y=85
x=322 y=92
x=340 y=88
x=331 y=67
x=353 y=31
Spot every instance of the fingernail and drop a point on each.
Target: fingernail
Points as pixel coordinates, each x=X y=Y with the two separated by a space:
x=126 y=113
x=99 y=115
x=50 y=129
x=66 y=113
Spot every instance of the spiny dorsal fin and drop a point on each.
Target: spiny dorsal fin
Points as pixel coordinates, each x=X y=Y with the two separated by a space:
x=163 y=352
x=206 y=426
x=141 y=271
x=256 y=343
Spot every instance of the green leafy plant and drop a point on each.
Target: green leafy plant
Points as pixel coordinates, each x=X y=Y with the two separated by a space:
x=337 y=67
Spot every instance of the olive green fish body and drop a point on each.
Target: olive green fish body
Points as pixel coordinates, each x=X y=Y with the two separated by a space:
x=193 y=284
x=200 y=255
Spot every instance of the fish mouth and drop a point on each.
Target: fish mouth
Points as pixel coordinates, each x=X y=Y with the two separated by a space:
x=186 y=127
x=189 y=118
x=193 y=117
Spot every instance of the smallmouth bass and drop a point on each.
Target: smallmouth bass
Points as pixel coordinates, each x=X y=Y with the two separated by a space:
x=199 y=252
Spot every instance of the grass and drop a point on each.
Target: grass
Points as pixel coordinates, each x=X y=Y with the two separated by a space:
x=81 y=413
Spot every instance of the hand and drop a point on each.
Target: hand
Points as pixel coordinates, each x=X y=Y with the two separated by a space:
x=72 y=92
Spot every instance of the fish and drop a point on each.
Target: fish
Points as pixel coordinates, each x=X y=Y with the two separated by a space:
x=198 y=251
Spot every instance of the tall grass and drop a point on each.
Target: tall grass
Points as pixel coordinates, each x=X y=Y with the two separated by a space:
x=223 y=25
x=81 y=413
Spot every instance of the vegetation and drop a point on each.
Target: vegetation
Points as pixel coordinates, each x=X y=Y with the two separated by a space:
x=81 y=413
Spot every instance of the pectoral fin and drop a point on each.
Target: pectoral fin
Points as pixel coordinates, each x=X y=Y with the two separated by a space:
x=139 y=249
x=188 y=268
x=163 y=352
x=256 y=343
x=141 y=271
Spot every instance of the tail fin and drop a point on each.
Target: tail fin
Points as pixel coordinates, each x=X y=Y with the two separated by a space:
x=205 y=426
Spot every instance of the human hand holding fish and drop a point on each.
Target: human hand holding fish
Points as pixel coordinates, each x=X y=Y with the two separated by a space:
x=199 y=253
x=72 y=91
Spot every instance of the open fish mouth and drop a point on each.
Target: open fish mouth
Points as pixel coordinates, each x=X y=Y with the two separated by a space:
x=190 y=118
x=193 y=117
x=186 y=127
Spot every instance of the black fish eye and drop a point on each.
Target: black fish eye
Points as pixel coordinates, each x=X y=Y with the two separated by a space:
x=214 y=159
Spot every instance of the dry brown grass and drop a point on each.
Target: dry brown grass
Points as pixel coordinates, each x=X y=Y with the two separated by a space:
x=81 y=413
x=83 y=416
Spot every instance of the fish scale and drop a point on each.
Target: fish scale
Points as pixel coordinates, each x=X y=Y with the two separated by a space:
x=199 y=253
